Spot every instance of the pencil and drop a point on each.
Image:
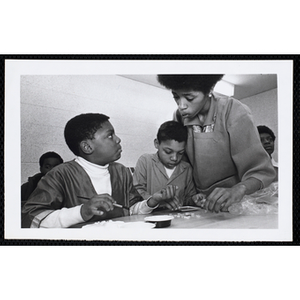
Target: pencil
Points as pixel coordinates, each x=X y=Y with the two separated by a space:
x=114 y=204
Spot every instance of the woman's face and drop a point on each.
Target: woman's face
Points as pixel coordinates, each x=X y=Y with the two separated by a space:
x=190 y=103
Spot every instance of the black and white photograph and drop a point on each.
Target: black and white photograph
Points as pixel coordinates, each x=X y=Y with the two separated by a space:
x=149 y=150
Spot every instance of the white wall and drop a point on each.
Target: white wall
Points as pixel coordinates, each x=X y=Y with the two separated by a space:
x=264 y=108
x=136 y=110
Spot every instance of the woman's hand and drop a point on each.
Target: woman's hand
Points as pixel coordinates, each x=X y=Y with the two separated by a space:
x=221 y=198
x=97 y=206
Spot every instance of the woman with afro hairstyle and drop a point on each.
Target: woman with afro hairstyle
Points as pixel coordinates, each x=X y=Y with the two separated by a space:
x=223 y=145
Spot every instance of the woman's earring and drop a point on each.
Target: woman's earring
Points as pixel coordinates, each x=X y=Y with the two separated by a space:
x=209 y=95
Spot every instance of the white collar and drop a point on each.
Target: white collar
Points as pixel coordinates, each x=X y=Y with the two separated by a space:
x=91 y=167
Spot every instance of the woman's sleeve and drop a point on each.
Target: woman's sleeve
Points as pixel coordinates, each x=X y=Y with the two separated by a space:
x=250 y=158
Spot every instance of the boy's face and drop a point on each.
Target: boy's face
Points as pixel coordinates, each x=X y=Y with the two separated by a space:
x=190 y=103
x=170 y=152
x=48 y=164
x=267 y=142
x=105 y=146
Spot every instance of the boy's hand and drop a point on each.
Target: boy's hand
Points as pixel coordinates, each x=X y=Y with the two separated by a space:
x=97 y=206
x=172 y=204
x=166 y=195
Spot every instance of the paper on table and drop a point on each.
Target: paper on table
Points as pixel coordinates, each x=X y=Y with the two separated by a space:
x=187 y=208
x=120 y=224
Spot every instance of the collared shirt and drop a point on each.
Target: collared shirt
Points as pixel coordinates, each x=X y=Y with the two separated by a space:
x=150 y=176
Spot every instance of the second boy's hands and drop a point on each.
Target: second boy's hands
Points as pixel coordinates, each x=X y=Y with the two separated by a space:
x=97 y=206
x=166 y=195
x=172 y=204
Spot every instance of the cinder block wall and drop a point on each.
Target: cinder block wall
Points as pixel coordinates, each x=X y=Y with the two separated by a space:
x=136 y=110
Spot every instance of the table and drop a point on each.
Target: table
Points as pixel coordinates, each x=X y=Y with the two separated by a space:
x=205 y=219
x=208 y=220
x=194 y=226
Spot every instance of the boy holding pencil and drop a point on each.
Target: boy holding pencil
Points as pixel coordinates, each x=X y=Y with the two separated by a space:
x=93 y=187
x=163 y=176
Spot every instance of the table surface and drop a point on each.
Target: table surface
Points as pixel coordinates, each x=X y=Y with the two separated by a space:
x=205 y=219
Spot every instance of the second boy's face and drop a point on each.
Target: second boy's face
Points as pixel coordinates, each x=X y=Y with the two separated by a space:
x=170 y=152
x=106 y=145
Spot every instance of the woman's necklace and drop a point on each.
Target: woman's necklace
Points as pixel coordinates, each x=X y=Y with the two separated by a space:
x=202 y=118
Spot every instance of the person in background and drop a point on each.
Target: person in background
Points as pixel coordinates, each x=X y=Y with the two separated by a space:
x=163 y=176
x=223 y=145
x=90 y=188
x=267 y=138
x=47 y=162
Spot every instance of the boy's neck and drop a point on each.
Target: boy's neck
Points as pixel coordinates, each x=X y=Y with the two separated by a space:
x=164 y=164
x=169 y=168
x=91 y=161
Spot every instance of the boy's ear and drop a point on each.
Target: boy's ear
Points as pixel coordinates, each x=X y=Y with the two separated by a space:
x=156 y=143
x=85 y=147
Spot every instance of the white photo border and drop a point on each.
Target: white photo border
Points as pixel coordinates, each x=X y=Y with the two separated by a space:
x=14 y=68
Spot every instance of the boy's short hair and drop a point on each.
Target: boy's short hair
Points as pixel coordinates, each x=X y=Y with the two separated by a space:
x=203 y=83
x=82 y=127
x=172 y=130
x=265 y=129
x=50 y=154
